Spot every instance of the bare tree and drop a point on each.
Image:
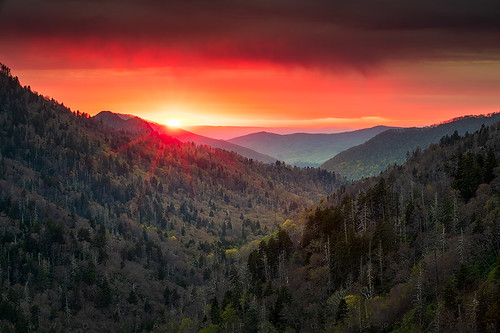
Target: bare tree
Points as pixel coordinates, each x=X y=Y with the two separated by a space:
x=328 y=262
x=461 y=246
x=419 y=296
x=368 y=291
x=267 y=269
x=380 y=255
x=443 y=241
x=473 y=312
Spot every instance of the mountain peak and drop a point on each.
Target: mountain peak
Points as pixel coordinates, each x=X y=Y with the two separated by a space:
x=123 y=122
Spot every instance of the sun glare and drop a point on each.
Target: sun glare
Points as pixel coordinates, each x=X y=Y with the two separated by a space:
x=173 y=123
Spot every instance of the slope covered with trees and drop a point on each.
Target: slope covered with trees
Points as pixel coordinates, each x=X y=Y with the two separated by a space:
x=395 y=145
x=415 y=249
x=105 y=229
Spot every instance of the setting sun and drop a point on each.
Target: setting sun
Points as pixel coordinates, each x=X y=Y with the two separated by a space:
x=173 y=123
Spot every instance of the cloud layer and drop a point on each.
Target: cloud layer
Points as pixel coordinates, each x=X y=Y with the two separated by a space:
x=326 y=34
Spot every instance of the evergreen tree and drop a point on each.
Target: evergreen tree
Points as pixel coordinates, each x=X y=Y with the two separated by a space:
x=215 y=312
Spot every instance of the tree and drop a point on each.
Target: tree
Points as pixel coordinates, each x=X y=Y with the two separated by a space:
x=452 y=299
x=267 y=327
x=342 y=312
x=284 y=298
x=132 y=297
x=103 y=296
x=186 y=325
x=490 y=165
x=215 y=312
x=89 y=274
x=229 y=316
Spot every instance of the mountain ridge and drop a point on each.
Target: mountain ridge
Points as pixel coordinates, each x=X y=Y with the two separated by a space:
x=392 y=146
x=137 y=124
x=308 y=149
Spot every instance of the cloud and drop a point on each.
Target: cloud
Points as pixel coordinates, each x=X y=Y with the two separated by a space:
x=332 y=34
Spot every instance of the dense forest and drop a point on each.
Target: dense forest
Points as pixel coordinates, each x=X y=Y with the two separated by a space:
x=109 y=230
x=414 y=249
x=90 y=216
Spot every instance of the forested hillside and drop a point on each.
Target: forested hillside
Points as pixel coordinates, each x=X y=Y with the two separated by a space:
x=105 y=229
x=393 y=146
x=416 y=249
x=109 y=230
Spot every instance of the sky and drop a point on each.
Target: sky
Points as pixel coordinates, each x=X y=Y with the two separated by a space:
x=315 y=65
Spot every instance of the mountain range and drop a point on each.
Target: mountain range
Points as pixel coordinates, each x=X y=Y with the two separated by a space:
x=394 y=146
x=354 y=154
x=305 y=149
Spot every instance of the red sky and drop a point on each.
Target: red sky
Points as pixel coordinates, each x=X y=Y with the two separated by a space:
x=297 y=64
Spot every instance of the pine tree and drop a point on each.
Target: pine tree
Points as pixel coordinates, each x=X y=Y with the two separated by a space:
x=342 y=312
x=103 y=296
x=215 y=312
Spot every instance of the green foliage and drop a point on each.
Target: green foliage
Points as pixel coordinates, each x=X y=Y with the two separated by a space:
x=210 y=329
x=360 y=237
x=265 y=259
x=228 y=316
x=186 y=325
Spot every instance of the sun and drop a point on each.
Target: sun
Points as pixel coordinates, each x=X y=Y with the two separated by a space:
x=173 y=123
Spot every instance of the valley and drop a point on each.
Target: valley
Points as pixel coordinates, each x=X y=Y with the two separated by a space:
x=114 y=223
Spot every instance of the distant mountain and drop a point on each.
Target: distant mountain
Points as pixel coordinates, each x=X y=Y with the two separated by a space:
x=223 y=132
x=304 y=149
x=229 y=132
x=136 y=125
x=394 y=145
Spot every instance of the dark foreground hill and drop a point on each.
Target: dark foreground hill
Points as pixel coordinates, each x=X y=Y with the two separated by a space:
x=393 y=146
x=121 y=231
x=303 y=149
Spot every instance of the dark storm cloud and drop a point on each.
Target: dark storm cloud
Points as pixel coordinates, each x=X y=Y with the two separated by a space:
x=324 y=33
